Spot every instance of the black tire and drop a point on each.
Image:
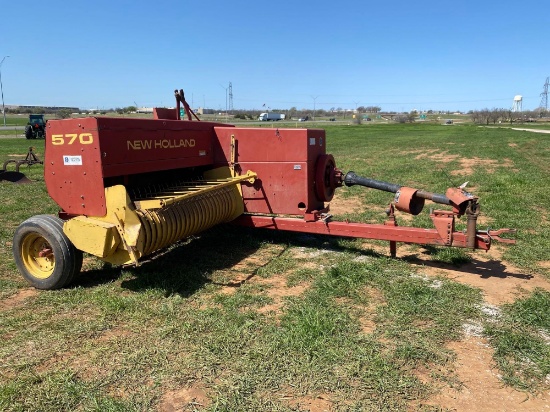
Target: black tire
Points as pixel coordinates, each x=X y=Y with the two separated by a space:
x=79 y=256
x=39 y=234
x=28 y=132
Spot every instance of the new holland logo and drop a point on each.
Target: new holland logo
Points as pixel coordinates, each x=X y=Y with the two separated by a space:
x=159 y=144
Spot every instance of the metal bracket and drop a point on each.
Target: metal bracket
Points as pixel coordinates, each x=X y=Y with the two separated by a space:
x=325 y=217
x=232 y=155
x=444 y=223
x=494 y=235
x=120 y=228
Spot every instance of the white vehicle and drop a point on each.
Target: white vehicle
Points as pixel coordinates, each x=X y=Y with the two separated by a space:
x=266 y=117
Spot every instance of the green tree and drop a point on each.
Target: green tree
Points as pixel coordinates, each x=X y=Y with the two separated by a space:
x=63 y=114
x=292 y=112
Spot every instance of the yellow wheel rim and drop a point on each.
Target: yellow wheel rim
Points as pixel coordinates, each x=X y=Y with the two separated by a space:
x=37 y=256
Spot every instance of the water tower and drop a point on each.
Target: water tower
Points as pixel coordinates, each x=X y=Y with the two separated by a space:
x=517 y=107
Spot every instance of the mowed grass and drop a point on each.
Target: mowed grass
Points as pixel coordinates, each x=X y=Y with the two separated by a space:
x=237 y=319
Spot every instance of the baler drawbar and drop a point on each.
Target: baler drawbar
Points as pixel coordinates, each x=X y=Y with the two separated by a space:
x=130 y=187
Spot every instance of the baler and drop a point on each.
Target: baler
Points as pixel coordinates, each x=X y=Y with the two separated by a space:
x=127 y=188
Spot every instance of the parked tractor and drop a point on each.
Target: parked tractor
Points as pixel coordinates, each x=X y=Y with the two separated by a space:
x=36 y=127
x=127 y=188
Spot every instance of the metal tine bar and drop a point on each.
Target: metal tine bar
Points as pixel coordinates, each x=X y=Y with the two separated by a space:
x=168 y=193
x=172 y=193
x=182 y=190
x=168 y=190
x=155 y=190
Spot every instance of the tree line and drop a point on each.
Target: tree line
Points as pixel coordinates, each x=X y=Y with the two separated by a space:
x=483 y=116
x=488 y=116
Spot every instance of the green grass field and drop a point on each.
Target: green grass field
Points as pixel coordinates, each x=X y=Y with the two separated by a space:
x=244 y=320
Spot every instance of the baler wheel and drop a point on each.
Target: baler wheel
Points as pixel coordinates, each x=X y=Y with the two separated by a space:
x=43 y=253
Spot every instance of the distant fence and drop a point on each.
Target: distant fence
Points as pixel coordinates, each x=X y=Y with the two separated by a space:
x=12 y=131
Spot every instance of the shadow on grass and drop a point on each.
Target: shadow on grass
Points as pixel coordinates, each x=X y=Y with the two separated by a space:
x=96 y=277
x=484 y=269
x=189 y=265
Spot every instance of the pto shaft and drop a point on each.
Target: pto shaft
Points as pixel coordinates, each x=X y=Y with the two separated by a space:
x=352 y=179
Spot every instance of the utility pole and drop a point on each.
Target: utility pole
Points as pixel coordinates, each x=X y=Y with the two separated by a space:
x=225 y=88
x=2 y=90
x=544 y=96
x=230 y=96
x=314 y=99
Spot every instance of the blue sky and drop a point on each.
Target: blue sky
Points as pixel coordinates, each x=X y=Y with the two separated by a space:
x=399 y=55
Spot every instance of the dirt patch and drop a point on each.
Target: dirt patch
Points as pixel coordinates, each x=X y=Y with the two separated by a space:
x=433 y=154
x=320 y=403
x=278 y=291
x=305 y=253
x=244 y=271
x=403 y=250
x=88 y=260
x=251 y=262
x=483 y=220
x=185 y=399
x=276 y=285
x=442 y=157
x=543 y=214
x=341 y=206
x=469 y=166
x=482 y=389
x=83 y=366
x=499 y=281
x=405 y=217
x=86 y=369
x=18 y=299
x=376 y=299
x=114 y=334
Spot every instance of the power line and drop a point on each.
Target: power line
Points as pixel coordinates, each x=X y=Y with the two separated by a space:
x=303 y=102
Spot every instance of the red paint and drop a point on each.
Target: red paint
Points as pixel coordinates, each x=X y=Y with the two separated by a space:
x=117 y=148
x=295 y=175
x=360 y=230
x=285 y=161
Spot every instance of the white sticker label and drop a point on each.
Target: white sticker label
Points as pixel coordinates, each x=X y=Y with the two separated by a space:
x=297 y=167
x=72 y=160
x=312 y=141
x=202 y=152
